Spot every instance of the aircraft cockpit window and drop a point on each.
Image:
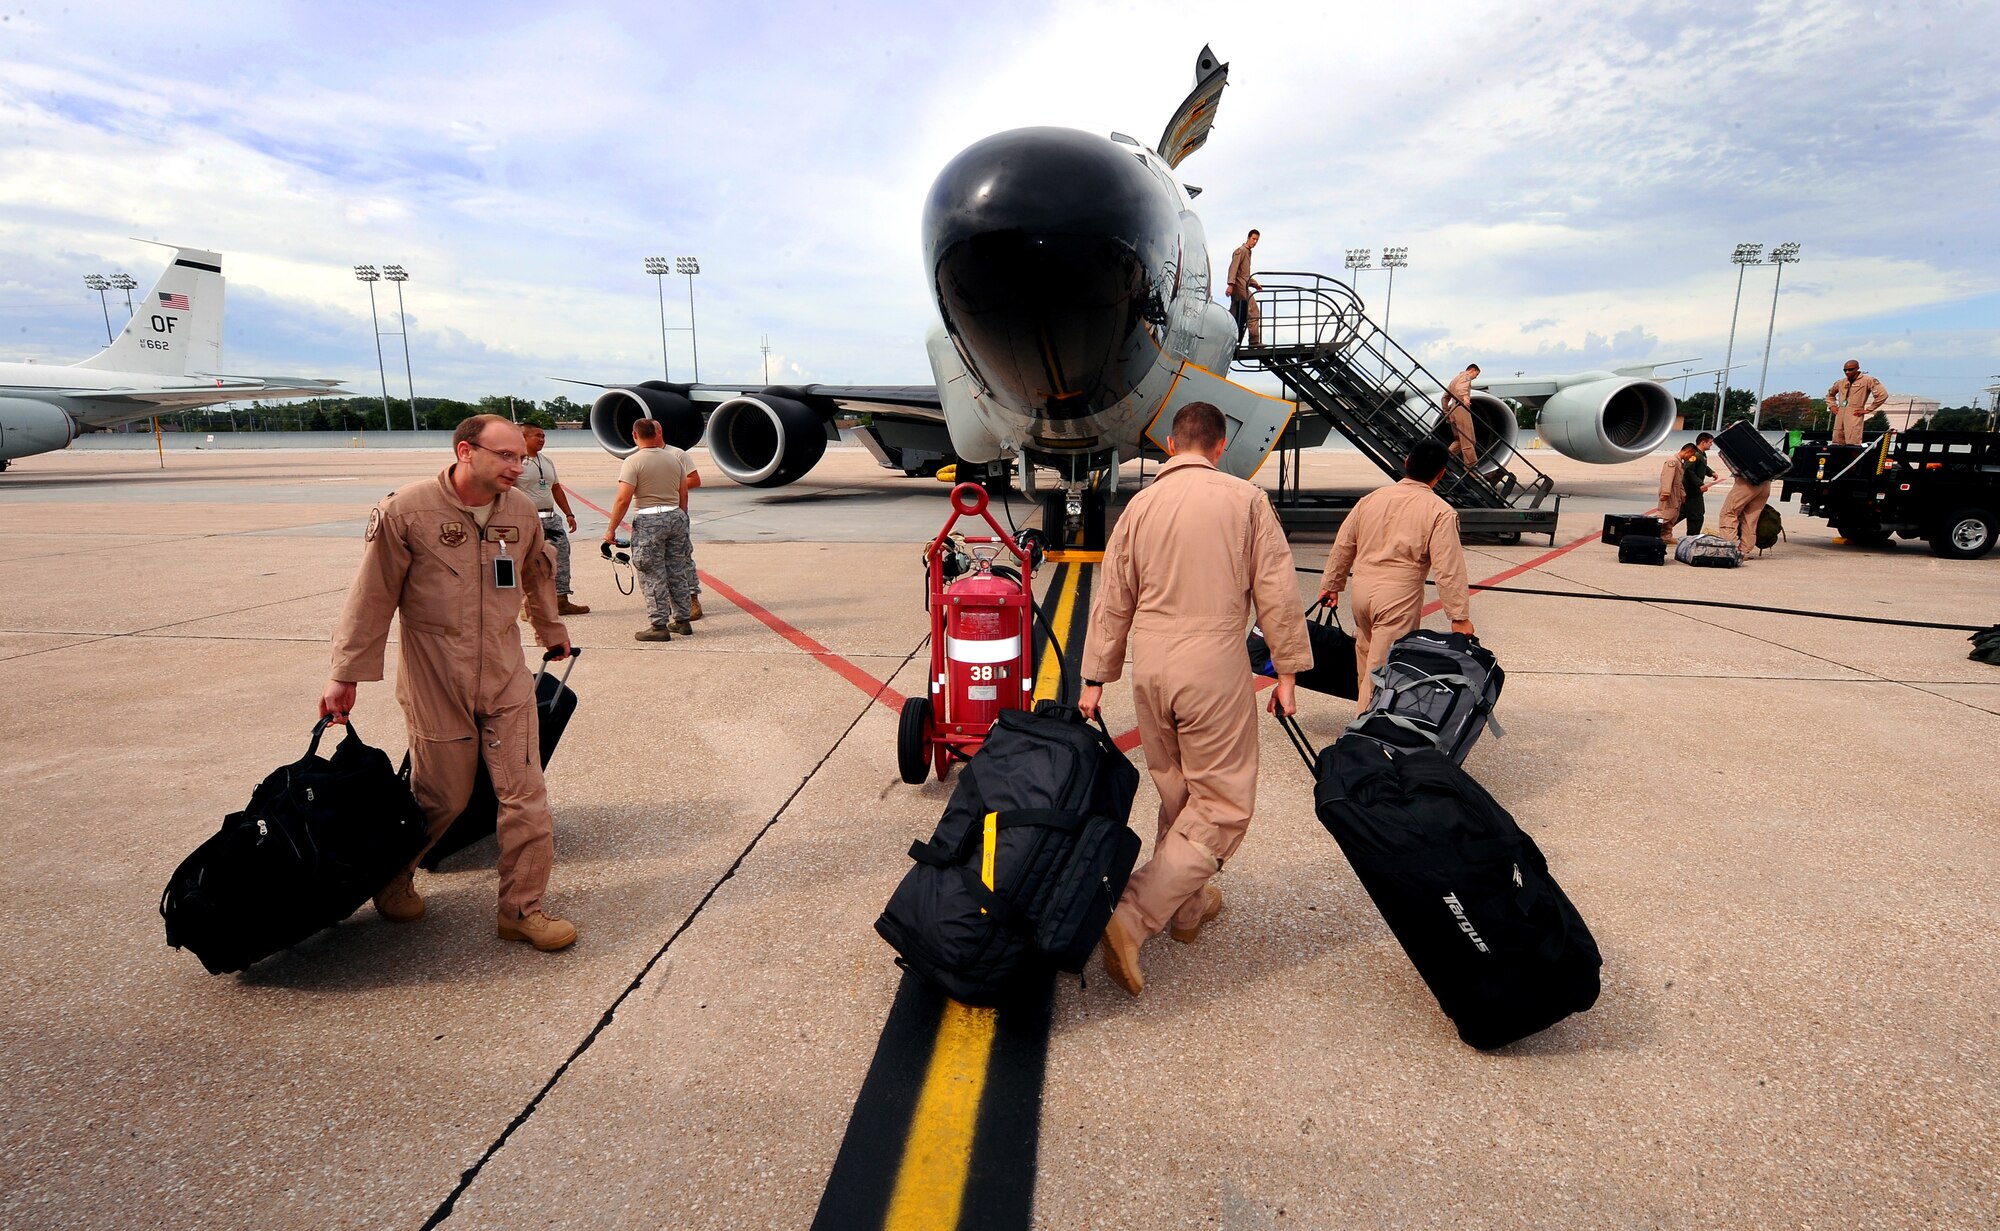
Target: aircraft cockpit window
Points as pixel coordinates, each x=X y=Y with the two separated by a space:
x=1122 y=139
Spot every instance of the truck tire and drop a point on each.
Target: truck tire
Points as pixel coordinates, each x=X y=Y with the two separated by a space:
x=1965 y=535
x=913 y=741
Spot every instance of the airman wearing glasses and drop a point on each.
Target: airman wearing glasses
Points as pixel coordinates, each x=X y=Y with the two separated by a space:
x=454 y=557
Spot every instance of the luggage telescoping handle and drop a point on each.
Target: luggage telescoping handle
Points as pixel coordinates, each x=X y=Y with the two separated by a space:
x=1297 y=734
x=569 y=665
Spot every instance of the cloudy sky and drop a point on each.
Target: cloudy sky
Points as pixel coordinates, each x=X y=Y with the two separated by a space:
x=1569 y=176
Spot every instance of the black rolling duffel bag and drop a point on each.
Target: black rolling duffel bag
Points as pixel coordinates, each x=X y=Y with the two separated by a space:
x=1753 y=458
x=318 y=838
x=1436 y=691
x=1642 y=549
x=1466 y=892
x=1333 y=671
x=1026 y=864
x=482 y=812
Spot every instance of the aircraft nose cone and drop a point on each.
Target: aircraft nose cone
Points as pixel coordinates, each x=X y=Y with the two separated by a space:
x=1051 y=253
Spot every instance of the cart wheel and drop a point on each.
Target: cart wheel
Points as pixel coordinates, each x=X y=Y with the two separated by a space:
x=1966 y=535
x=913 y=741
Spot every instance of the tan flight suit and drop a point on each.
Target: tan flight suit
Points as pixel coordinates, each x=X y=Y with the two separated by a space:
x=1241 y=296
x=1851 y=402
x=1673 y=494
x=1458 y=413
x=1189 y=559
x=1741 y=510
x=1394 y=536
x=463 y=682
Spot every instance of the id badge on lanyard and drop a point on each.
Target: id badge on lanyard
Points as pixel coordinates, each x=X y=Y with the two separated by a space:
x=503 y=569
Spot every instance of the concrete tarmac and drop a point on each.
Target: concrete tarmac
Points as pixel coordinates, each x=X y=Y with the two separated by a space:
x=1782 y=832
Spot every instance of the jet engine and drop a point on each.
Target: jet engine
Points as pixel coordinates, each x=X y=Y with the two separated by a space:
x=1607 y=419
x=619 y=407
x=28 y=427
x=765 y=439
x=1494 y=427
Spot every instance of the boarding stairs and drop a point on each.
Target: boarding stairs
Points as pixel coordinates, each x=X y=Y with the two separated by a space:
x=1340 y=366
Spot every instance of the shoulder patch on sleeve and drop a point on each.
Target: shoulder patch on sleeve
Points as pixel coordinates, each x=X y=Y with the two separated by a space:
x=374 y=525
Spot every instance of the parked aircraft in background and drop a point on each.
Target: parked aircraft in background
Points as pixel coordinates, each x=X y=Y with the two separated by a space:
x=1076 y=304
x=168 y=358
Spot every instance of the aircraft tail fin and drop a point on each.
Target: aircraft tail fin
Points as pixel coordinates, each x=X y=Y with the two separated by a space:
x=1188 y=130
x=176 y=330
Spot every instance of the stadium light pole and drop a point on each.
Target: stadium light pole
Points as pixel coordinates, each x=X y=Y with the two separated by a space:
x=366 y=273
x=125 y=283
x=1745 y=256
x=690 y=266
x=100 y=284
x=657 y=266
x=1393 y=259
x=1357 y=260
x=398 y=275
x=1781 y=256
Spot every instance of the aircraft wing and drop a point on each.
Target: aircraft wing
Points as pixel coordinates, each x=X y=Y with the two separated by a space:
x=1531 y=389
x=101 y=406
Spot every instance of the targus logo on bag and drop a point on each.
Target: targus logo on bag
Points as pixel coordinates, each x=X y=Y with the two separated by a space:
x=1464 y=924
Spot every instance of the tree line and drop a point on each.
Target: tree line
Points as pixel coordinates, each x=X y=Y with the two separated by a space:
x=364 y=414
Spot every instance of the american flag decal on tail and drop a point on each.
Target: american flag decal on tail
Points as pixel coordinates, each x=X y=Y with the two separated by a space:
x=177 y=302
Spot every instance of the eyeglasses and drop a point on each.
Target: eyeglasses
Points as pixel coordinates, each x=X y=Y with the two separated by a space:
x=511 y=459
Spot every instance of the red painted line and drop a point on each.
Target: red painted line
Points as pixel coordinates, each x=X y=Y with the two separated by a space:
x=877 y=689
x=1530 y=566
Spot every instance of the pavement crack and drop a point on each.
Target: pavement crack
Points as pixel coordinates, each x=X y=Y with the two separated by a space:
x=470 y=1174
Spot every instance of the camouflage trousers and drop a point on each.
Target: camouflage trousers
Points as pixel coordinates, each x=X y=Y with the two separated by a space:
x=663 y=557
x=555 y=531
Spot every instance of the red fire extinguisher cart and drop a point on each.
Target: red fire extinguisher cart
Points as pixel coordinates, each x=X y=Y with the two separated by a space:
x=982 y=642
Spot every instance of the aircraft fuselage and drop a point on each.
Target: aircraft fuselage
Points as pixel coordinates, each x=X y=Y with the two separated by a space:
x=1072 y=283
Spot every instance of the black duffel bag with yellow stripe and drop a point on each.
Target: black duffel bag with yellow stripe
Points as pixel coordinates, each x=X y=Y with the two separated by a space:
x=1027 y=863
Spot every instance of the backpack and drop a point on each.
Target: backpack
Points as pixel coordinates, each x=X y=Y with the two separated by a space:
x=1436 y=691
x=318 y=838
x=1027 y=863
x=1708 y=551
x=1770 y=527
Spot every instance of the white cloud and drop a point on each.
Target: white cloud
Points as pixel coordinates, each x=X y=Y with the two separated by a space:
x=1562 y=173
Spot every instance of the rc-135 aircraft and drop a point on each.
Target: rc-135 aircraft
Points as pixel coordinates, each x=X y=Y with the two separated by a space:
x=1076 y=311
x=168 y=358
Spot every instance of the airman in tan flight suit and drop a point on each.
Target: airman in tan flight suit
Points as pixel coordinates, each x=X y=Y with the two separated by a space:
x=1240 y=287
x=1394 y=536
x=1458 y=413
x=1740 y=511
x=452 y=557
x=1852 y=399
x=1673 y=489
x=1190 y=558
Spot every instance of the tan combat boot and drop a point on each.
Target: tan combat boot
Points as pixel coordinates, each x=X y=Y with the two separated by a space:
x=539 y=930
x=399 y=901
x=1211 y=906
x=681 y=628
x=695 y=614
x=1121 y=958
x=565 y=607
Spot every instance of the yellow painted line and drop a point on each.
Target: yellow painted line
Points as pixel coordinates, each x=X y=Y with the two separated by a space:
x=930 y=1185
x=1074 y=556
x=1048 y=680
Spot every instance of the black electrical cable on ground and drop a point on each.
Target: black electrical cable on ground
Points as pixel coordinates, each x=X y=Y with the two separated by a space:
x=1710 y=602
